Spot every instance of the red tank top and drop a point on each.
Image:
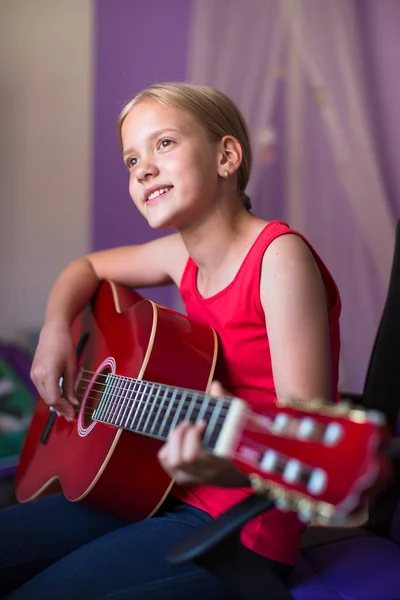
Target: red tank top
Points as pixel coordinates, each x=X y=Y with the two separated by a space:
x=244 y=369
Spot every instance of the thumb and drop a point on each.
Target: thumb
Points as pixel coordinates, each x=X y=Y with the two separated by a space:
x=216 y=389
x=69 y=384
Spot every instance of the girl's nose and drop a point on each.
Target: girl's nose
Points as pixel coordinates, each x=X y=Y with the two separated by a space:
x=145 y=170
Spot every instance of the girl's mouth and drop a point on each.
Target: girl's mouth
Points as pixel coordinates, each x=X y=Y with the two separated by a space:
x=157 y=194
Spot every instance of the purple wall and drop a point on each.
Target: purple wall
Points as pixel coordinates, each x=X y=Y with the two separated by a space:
x=136 y=43
x=379 y=26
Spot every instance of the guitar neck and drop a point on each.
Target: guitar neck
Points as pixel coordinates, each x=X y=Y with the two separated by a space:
x=154 y=409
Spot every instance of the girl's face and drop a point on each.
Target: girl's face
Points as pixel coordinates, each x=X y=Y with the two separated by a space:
x=173 y=166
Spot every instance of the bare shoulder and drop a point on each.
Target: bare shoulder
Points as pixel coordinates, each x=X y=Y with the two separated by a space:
x=289 y=249
x=289 y=266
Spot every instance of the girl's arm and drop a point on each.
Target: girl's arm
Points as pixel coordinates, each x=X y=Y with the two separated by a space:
x=295 y=304
x=156 y=263
x=159 y=262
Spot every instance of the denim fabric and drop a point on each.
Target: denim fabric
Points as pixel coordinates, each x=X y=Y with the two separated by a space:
x=56 y=549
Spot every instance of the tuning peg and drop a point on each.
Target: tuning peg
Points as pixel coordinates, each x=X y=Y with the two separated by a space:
x=269 y=461
x=306 y=429
x=280 y=423
x=317 y=482
x=292 y=471
x=333 y=434
x=375 y=417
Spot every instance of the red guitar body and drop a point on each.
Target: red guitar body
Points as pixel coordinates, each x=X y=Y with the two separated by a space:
x=316 y=458
x=107 y=466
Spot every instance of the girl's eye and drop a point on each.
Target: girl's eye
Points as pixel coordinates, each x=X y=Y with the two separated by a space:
x=131 y=162
x=164 y=143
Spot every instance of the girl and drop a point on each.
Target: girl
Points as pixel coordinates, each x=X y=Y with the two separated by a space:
x=275 y=308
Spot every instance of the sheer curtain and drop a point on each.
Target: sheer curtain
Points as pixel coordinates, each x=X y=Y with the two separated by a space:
x=294 y=68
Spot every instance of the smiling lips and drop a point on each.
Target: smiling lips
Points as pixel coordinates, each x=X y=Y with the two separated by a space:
x=158 y=192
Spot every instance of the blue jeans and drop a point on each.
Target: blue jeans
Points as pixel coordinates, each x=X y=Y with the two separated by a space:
x=56 y=549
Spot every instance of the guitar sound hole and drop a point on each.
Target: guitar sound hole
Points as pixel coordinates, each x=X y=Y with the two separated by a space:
x=96 y=390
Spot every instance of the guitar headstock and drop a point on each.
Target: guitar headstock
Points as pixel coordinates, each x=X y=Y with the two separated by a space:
x=315 y=458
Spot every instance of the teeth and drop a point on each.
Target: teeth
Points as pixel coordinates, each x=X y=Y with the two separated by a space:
x=157 y=193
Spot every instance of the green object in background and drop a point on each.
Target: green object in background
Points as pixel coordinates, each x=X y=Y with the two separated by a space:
x=16 y=408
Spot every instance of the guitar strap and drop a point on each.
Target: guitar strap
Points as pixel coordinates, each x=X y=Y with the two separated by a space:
x=217 y=547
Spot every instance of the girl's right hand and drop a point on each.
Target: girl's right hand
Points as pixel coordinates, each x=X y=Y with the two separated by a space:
x=55 y=358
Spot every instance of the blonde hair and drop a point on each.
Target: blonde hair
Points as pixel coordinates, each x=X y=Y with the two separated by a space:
x=213 y=110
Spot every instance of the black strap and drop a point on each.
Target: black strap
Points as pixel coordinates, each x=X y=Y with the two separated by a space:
x=216 y=547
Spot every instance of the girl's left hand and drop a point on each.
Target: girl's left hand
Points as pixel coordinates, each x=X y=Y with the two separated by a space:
x=185 y=460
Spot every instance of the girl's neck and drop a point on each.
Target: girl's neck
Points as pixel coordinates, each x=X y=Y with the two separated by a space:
x=220 y=235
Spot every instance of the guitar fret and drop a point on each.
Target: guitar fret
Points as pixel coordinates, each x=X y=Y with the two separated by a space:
x=203 y=408
x=212 y=442
x=212 y=422
x=166 y=416
x=136 y=404
x=125 y=404
x=144 y=408
x=193 y=408
x=155 y=409
x=114 y=389
x=98 y=413
x=139 y=397
x=131 y=403
x=106 y=401
x=159 y=410
x=178 y=411
x=119 y=400
x=153 y=406
x=122 y=401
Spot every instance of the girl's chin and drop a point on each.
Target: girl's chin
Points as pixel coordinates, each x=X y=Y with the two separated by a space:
x=161 y=223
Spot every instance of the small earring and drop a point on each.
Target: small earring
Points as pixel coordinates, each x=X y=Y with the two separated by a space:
x=226 y=174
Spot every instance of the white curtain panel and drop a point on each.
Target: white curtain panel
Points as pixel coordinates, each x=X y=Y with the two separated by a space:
x=294 y=67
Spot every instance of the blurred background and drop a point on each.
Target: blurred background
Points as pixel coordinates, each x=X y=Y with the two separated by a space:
x=318 y=82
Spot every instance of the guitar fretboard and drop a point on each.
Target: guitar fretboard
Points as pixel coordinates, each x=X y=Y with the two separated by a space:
x=154 y=409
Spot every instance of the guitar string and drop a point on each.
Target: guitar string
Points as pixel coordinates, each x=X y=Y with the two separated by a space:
x=163 y=426
x=138 y=402
x=162 y=386
x=267 y=428
x=143 y=397
x=207 y=417
x=154 y=384
x=146 y=395
x=135 y=380
x=221 y=416
x=160 y=399
x=158 y=422
x=197 y=403
x=143 y=402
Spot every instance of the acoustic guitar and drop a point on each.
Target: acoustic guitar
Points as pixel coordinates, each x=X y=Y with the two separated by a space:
x=144 y=368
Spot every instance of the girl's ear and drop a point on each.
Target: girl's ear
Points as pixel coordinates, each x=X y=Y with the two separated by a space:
x=229 y=156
